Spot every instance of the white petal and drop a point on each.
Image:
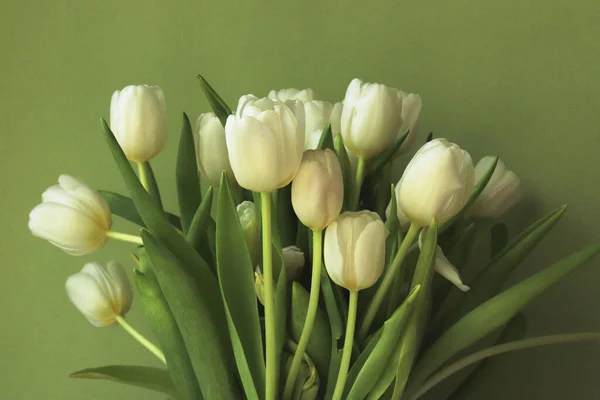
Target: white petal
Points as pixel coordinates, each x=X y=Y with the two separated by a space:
x=448 y=271
x=85 y=293
x=332 y=254
x=369 y=256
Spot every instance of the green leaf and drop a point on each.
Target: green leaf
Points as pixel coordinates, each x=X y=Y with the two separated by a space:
x=163 y=326
x=494 y=313
x=387 y=156
x=153 y=189
x=188 y=183
x=334 y=366
x=319 y=344
x=200 y=318
x=499 y=238
x=337 y=328
x=218 y=105
x=124 y=207
x=367 y=369
x=347 y=173
x=197 y=233
x=490 y=280
x=285 y=217
x=236 y=279
x=326 y=140
x=281 y=307
x=145 y=377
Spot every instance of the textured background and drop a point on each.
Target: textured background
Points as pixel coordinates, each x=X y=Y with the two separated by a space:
x=516 y=78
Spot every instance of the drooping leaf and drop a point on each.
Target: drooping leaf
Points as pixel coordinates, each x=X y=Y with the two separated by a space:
x=145 y=377
x=236 y=280
x=326 y=140
x=387 y=156
x=124 y=207
x=186 y=174
x=153 y=189
x=494 y=313
x=218 y=105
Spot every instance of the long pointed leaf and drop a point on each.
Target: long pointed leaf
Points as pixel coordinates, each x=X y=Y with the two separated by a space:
x=387 y=156
x=326 y=139
x=220 y=108
x=153 y=189
x=186 y=173
x=197 y=233
x=124 y=207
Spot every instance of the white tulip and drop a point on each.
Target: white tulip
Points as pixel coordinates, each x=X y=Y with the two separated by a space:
x=265 y=142
x=371 y=118
x=290 y=94
x=72 y=216
x=354 y=249
x=411 y=110
x=335 y=118
x=251 y=227
x=436 y=183
x=318 y=189
x=100 y=292
x=293 y=260
x=138 y=119
x=211 y=149
x=501 y=193
x=317 y=114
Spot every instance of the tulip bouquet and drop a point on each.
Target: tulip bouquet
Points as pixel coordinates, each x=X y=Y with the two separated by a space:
x=297 y=266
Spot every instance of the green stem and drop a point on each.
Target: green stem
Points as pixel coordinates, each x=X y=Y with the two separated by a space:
x=348 y=342
x=140 y=338
x=143 y=176
x=272 y=366
x=358 y=181
x=313 y=304
x=124 y=237
x=387 y=281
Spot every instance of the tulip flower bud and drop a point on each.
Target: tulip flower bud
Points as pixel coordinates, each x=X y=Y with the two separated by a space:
x=293 y=260
x=100 y=292
x=436 y=183
x=259 y=287
x=411 y=110
x=251 y=228
x=501 y=193
x=289 y=94
x=265 y=142
x=371 y=118
x=317 y=114
x=138 y=119
x=211 y=149
x=354 y=249
x=72 y=216
x=318 y=189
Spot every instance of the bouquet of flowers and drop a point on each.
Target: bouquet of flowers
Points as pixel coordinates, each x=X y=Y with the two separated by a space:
x=298 y=266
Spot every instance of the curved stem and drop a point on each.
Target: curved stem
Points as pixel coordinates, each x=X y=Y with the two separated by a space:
x=124 y=237
x=387 y=281
x=313 y=304
x=140 y=338
x=348 y=342
x=143 y=176
x=499 y=349
x=358 y=181
x=272 y=366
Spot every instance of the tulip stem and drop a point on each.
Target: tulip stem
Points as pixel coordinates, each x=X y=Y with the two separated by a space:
x=358 y=181
x=387 y=281
x=313 y=304
x=124 y=237
x=348 y=342
x=272 y=367
x=140 y=338
x=143 y=176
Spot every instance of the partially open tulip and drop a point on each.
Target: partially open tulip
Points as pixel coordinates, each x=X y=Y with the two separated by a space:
x=138 y=119
x=371 y=118
x=436 y=183
x=318 y=189
x=72 y=216
x=100 y=292
x=293 y=260
x=354 y=249
x=290 y=94
x=259 y=286
x=411 y=110
x=211 y=149
x=501 y=193
x=265 y=142
x=251 y=228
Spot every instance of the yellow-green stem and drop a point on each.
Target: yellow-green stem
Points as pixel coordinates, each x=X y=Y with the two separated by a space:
x=313 y=304
x=348 y=342
x=358 y=181
x=124 y=237
x=140 y=338
x=143 y=176
x=387 y=281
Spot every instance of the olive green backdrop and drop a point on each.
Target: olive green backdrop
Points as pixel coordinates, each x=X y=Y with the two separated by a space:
x=515 y=78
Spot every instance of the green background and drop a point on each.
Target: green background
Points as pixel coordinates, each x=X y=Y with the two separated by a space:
x=515 y=78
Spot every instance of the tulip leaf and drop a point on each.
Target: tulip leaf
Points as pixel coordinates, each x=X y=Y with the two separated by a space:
x=494 y=313
x=281 y=307
x=499 y=238
x=319 y=344
x=218 y=105
x=429 y=137
x=155 y=220
x=337 y=327
x=188 y=182
x=490 y=280
x=153 y=189
x=367 y=369
x=347 y=173
x=197 y=233
x=236 y=280
x=145 y=377
x=124 y=207
x=387 y=156
x=163 y=326
x=326 y=139
x=285 y=217
x=200 y=318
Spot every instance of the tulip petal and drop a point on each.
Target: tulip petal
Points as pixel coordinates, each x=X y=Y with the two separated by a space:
x=370 y=250
x=332 y=253
x=448 y=271
x=85 y=293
